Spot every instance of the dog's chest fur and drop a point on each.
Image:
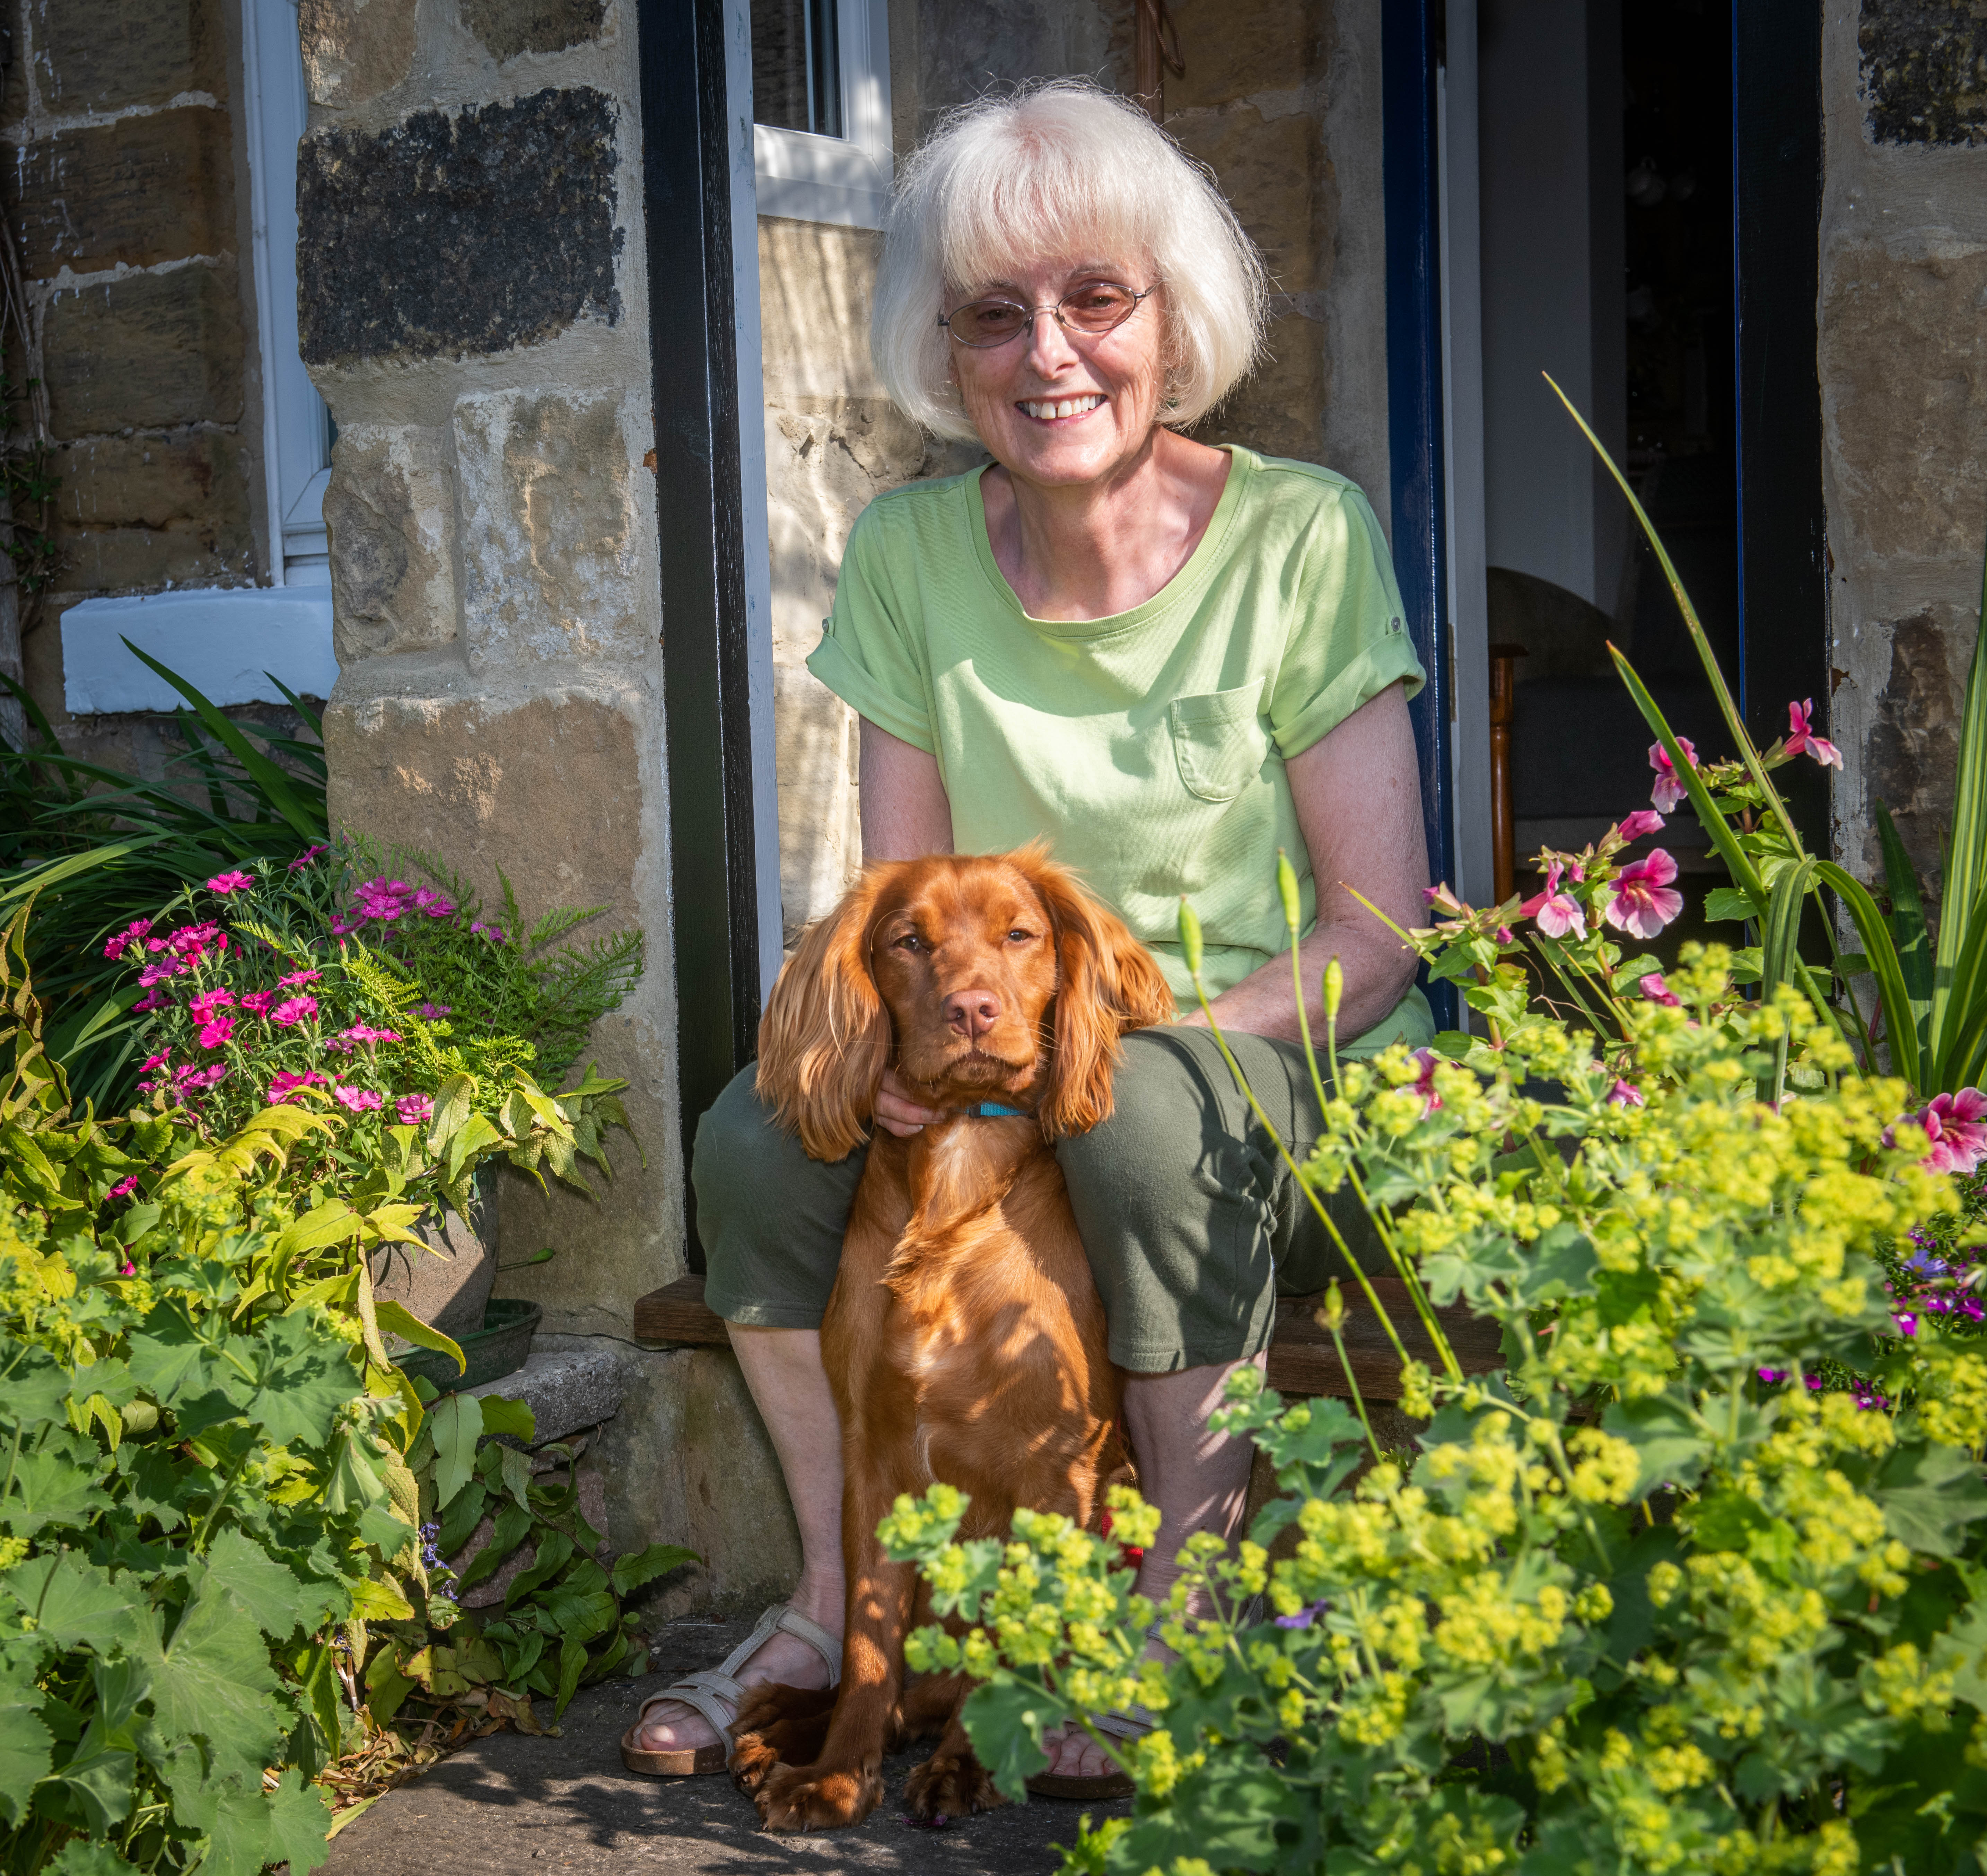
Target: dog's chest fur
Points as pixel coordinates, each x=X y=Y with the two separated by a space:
x=984 y=1334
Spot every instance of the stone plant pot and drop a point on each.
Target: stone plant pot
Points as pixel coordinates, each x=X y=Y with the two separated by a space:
x=448 y=1285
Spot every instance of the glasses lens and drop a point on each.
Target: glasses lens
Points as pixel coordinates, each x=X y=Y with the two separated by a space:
x=1098 y=307
x=987 y=322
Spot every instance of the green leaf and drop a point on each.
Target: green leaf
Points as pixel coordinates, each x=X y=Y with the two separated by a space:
x=385 y=1686
x=573 y=1664
x=554 y=1552
x=1667 y=1436
x=1874 y=931
x=72 y=1602
x=639 y=1567
x=298 y=1826
x=507 y=1530
x=82 y=1857
x=1907 y=926
x=395 y=1319
x=1929 y=1495
x=1005 y=1721
x=1725 y=903
x=1965 y=882
x=50 y=1488
x=280 y=1601
x=213 y=1680
x=25 y=1745
x=456 y=1424
x=501 y=1416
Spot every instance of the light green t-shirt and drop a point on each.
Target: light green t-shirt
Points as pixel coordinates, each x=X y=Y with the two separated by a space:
x=1149 y=746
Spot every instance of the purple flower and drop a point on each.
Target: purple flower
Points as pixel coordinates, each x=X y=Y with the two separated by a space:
x=1303 y=1617
x=1770 y=1375
x=309 y=854
x=1907 y=1324
x=1625 y=1094
x=433 y=1012
x=413 y=1109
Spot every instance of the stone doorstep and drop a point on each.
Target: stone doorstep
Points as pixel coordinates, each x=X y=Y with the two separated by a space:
x=567 y=1390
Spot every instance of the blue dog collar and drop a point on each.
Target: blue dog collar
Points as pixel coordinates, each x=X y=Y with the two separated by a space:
x=993 y=1110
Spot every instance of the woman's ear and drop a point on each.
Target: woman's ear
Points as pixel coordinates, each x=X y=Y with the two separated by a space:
x=1107 y=982
x=824 y=1039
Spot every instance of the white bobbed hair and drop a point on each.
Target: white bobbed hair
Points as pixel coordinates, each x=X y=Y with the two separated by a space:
x=1061 y=167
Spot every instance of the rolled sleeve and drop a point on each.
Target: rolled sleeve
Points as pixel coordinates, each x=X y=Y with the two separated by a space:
x=831 y=662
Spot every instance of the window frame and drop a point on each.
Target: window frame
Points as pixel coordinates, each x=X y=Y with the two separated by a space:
x=843 y=180
x=296 y=440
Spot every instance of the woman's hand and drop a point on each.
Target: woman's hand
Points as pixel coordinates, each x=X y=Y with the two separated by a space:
x=897 y=1113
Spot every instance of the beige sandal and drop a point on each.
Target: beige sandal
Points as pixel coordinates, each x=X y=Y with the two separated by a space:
x=710 y=1690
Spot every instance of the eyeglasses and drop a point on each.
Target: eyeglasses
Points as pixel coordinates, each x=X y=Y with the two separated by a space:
x=1094 y=310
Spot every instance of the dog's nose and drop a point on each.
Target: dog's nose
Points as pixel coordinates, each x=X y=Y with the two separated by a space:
x=971 y=1012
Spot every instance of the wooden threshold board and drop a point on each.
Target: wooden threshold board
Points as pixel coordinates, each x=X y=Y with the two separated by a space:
x=1302 y=1360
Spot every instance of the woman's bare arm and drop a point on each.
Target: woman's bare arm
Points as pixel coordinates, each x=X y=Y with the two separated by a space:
x=904 y=811
x=905 y=814
x=1357 y=793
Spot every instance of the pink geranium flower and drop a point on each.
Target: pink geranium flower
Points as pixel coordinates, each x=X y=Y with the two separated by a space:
x=1801 y=738
x=1644 y=901
x=1669 y=790
x=287 y=1086
x=132 y=933
x=414 y=1109
x=1424 y=1081
x=213 y=1035
x=1643 y=820
x=1653 y=987
x=358 y=1099
x=1557 y=912
x=1956 y=1126
x=296 y=977
x=225 y=883
x=1625 y=1094
x=295 y=1011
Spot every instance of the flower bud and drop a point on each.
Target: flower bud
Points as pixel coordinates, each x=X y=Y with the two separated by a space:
x=1335 y=989
x=1286 y=885
x=1190 y=937
x=1333 y=1314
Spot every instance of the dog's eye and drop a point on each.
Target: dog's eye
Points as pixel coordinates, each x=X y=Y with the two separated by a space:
x=910 y=942
x=1018 y=936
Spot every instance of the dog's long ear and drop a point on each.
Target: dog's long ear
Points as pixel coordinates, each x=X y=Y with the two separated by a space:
x=1107 y=982
x=824 y=1039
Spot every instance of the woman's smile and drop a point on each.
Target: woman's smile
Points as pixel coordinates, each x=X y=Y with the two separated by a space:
x=1061 y=410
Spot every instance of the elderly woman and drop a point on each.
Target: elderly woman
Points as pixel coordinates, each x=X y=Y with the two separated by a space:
x=1171 y=659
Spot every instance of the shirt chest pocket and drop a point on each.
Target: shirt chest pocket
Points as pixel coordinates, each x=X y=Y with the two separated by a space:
x=1218 y=741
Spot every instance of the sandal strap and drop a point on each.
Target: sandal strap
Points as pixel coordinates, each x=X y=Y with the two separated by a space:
x=711 y=1691
x=1133 y=1725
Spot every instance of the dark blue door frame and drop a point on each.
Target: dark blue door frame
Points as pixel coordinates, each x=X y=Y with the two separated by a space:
x=1408 y=55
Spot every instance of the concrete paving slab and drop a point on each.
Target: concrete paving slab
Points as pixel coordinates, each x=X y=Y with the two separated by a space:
x=514 y=1806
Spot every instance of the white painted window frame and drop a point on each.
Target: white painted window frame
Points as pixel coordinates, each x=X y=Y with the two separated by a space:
x=296 y=440
x=227 y=641
x=843 y=180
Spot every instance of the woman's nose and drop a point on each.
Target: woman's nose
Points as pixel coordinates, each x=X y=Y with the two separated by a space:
x=971 y=1012
x=1049 y=349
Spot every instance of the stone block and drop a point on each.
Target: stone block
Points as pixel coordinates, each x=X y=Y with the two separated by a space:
x=390 y=508
x=817 y=283
x=1276 y=409
x=1270 y=169
x=547 y=550
x=141 y=190
x=567 y=1388
x=692 y=1464
x=1904 y=373
x=145 y=352
x=1911 y=753
x=148 y=512
x=106 y=54
x=1925 y=72
x=355 y=50
x=1246 y=47
x=508 y=27
x=493 y=228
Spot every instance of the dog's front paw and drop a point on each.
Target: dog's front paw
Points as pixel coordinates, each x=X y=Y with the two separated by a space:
x=950 y=1785
x=816 y=1797
x=777 y=1723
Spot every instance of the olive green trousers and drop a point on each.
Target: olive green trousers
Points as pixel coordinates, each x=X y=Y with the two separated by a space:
x=1192 y=1221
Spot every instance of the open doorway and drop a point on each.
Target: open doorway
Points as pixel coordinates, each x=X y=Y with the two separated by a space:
x=1607 y=218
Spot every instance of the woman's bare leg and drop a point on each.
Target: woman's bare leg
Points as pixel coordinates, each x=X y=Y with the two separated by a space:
x=783 y=1368
x=1198 y=1480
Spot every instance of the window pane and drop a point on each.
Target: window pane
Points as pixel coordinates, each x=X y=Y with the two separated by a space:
x=796 y=66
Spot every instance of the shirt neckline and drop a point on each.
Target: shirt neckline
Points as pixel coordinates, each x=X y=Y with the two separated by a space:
x=1241 y=472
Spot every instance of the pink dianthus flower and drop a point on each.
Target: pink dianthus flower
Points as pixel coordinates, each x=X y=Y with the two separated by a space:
x=414 y=1109
x=295 y=1011
x=225 y=883
x=360 y=1100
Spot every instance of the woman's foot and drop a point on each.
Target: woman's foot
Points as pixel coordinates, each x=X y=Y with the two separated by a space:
x=671 y=1727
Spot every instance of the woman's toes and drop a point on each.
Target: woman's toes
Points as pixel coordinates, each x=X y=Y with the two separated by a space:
x=679 y=1730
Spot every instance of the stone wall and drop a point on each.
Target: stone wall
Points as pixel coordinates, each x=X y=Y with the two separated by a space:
x=1903 y=375
x=127 y=189
x=1281 y=99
